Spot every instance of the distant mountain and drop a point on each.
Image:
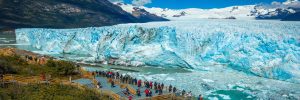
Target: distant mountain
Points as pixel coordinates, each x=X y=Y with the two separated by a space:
x=144 y=15
x=271 y=13
x=250 y=12
x=63 y=14
x=292 y=17
x=239 y=12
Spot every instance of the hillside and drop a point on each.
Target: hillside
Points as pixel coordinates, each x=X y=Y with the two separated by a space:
x=292 y=17
x=62 y=14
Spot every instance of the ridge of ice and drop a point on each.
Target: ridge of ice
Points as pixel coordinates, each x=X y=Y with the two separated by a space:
x=269 y=49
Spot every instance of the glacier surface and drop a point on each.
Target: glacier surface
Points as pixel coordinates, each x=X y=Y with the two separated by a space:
x=268 y=49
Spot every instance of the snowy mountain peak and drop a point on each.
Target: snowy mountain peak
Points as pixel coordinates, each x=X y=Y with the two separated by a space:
x=240 y=12
x=274 y=11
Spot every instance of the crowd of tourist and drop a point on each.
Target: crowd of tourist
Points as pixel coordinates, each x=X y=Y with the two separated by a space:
x=150 y=85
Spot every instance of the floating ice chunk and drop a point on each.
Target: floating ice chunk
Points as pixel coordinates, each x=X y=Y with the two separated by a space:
x=213 y=98
x=170 y=79
x=208 y=80
x=225 y=97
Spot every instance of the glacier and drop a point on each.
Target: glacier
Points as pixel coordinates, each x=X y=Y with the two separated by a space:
x=269 y=49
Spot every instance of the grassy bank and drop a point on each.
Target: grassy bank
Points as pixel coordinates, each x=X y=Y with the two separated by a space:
x=16 y=63
x=48 y=92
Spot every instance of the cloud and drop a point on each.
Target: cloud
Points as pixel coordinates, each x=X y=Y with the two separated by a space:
x=116 y=0
x=286 y=4
x=294 y=4
x=140 y=2
x=275 y=3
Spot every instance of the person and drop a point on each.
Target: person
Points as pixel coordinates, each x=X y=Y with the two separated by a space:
x=26 y=57
x=130 y=80
x=160 y=91
x=121 y=76
x=174 y=89
x=155 y=85
x=150 y=93
x=99 y=85
x=125 y=79
x=93 y=74
x=118 y=75
x=158 y=88
x=115 y=77
x=162 y=86
x=138 y=92
x=127 y=91
x=200 y=97
x=139 y=83
x=189 y=95
x=113 y=74
x=183 y=92
x=151 y=84
x=97 y=73
x=107 y=74
x=135 y=81
x=146 y=92
x=147 y=85
x=70 y=79
x=130 y=97
x=30 y=58
x=170 y=88
x=112 y=83
x=110 y=74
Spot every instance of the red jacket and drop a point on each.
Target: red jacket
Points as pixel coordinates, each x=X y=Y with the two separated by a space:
x=139 y=82
x=200 y=98
x=130 y=97
x=147 y=91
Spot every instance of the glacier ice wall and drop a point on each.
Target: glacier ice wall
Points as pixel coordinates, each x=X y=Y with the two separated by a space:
x=264 y=48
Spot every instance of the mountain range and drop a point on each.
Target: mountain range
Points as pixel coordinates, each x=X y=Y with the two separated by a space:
x=251 y=12
x=65 y=14
x=95 y=13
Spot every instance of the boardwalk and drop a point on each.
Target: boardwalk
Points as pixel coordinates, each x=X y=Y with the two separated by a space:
x=117 y=92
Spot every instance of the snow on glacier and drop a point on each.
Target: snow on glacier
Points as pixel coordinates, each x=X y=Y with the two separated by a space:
x=269 y=49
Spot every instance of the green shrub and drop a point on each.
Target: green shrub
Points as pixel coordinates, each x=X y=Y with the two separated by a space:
x=16 y=65
x=61 y=67
x=13 y=60
x=6 y=66
x=47 y=92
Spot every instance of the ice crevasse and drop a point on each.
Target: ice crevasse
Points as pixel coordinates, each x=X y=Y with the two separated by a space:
x=269 y=49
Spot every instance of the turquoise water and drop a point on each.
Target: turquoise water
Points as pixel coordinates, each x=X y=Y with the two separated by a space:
x=231 y=94
x=144 y=70
x=7 y=40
